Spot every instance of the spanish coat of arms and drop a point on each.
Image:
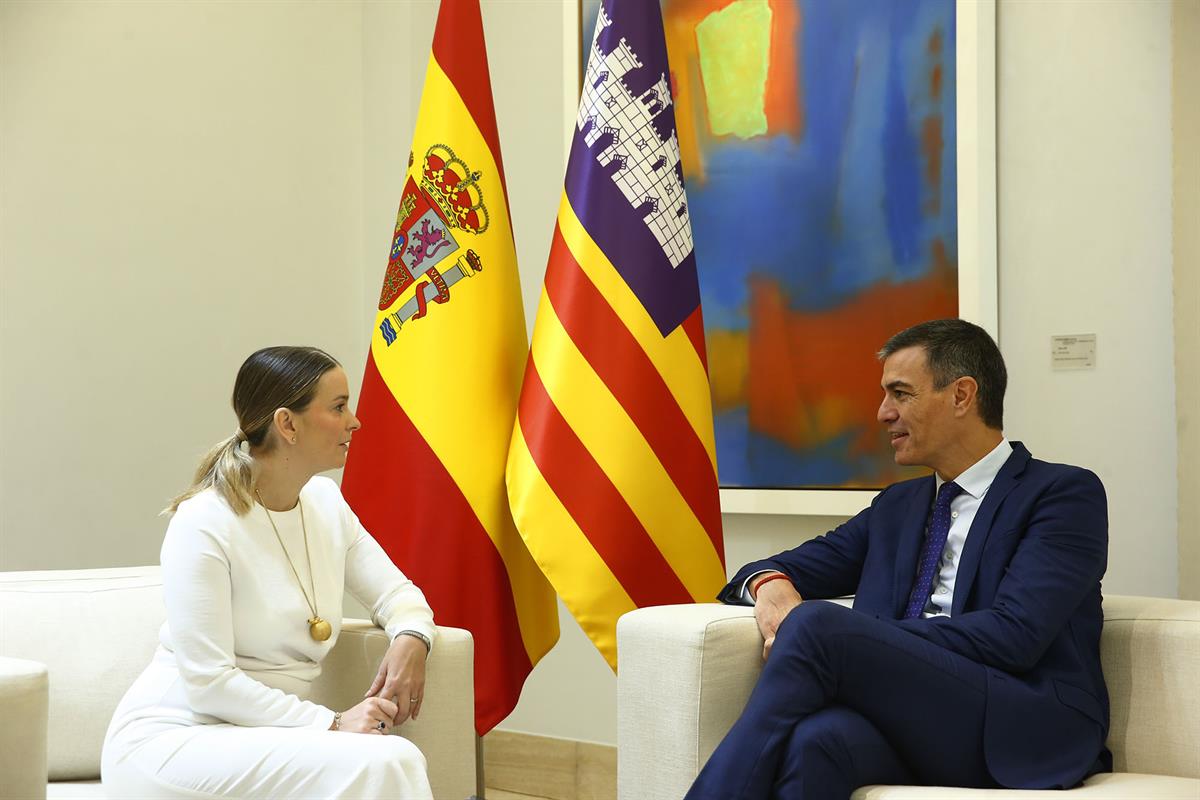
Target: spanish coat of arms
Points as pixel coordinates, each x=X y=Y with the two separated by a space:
x=425 y=248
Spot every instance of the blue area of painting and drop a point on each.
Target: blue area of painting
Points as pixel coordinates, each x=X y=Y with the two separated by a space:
x=764 y=463
x=835 y=211
x=901 y=176
x=813 y=216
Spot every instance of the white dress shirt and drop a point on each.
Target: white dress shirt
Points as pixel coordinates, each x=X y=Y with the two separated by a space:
x=975 y=482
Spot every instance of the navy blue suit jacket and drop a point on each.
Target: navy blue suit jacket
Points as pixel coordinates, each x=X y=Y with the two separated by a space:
x=1026 y=606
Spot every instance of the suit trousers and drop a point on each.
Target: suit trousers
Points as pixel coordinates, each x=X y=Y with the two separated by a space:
x=846 y=700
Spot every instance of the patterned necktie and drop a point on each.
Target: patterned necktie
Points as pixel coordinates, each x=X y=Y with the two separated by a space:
x=931 y=552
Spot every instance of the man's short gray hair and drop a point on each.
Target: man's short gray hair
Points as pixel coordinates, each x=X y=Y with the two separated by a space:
x=955 y=348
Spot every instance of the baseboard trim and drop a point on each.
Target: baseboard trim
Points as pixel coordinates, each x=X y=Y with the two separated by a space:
x=544 y=766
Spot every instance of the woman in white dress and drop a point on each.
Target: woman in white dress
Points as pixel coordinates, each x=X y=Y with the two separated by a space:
x=254 y=564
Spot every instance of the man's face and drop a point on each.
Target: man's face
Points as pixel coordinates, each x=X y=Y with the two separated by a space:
x=919 y=418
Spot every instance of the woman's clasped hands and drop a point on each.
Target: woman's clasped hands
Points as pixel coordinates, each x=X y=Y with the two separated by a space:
x=373 y=715
x=395 y=694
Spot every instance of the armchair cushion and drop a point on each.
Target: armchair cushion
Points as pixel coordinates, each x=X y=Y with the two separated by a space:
x=95 y=630
x=1151 y=654
x=24 y=695
x=445 y=731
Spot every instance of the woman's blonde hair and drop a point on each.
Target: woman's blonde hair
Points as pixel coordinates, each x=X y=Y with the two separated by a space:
x=270 y=379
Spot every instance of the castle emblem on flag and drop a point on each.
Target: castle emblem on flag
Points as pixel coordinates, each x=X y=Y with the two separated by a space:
x=434 y=220
x=643 y=165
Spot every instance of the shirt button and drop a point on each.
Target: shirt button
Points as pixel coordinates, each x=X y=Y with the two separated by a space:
x=941 y=590
x=954 y=515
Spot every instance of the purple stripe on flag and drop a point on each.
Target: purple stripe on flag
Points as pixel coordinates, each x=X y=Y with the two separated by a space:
x=623 y=177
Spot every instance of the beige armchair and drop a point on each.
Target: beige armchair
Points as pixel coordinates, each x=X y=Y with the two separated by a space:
x=72 y=642
x=684 y=674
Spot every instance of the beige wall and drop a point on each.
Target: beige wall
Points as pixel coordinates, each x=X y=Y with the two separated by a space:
x=1084 y=157
x=1186 y=117
x=183 y=182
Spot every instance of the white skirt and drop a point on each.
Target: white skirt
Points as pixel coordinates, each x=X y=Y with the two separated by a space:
x=232 y=761
x=156 y=748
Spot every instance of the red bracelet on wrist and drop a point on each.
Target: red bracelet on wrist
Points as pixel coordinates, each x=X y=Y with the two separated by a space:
x=774 y=576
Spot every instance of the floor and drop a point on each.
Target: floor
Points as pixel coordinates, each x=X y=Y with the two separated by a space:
x=499 y=794
x=523 y=766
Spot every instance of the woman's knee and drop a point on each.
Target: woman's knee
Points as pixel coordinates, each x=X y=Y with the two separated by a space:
x=400 y=751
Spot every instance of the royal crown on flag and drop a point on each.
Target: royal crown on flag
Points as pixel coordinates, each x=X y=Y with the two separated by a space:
x=455 y=188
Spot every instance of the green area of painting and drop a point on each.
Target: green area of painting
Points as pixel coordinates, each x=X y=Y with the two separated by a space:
x=734 y=45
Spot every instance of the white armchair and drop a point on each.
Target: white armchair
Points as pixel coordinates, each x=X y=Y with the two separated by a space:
x=72 y=642
x=685 y=672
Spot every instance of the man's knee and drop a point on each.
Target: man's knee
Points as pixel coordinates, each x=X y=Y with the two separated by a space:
x=812 y=622
x=824 y=735
x=823 y=757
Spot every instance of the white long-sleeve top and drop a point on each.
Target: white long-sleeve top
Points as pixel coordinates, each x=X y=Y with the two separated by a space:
x=237 y=622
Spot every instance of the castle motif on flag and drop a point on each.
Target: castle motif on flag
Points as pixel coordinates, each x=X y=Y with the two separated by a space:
x=449 y=199
x=643 y=165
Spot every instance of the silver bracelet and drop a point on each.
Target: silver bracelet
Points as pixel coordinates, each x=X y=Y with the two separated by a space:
x=417 y=634
x=337 y=720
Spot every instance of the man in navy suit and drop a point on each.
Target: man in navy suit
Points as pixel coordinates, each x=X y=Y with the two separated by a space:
x=972 y=654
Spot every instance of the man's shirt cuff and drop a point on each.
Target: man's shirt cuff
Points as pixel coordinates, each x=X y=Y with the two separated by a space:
x=745 y=595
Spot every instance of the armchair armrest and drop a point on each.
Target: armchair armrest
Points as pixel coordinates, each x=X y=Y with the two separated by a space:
x=445 y=731
x=24 y=707
x=684 y=674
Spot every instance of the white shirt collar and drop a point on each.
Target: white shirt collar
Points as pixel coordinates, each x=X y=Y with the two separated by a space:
x=976 y=478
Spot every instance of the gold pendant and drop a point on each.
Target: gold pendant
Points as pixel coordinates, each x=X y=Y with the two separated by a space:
x=319 y=629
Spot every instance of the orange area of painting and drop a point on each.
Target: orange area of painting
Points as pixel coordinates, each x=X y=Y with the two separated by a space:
x=931 y=149
x=935 y=42
x=729 y=360
x=783 y=100
x=814 y=376
x=932 y=141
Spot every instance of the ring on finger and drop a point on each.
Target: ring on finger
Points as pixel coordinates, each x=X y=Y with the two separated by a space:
x=382 y=725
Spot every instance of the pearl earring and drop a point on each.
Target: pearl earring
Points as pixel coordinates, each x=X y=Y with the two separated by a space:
x=293 y=440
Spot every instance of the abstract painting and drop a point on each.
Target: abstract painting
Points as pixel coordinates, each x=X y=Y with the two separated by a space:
x=818 y=142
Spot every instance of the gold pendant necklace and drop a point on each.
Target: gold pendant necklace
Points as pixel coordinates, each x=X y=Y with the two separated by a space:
x=318 y=629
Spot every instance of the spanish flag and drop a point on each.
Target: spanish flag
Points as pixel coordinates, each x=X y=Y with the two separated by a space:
x=612 y=471
x=426 y=472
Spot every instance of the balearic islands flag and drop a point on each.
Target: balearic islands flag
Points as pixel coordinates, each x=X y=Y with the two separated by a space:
x=612 y=471
x=426 y=472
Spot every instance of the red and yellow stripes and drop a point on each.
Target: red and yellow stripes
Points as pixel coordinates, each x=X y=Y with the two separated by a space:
x=426 y=472
x=611 y=472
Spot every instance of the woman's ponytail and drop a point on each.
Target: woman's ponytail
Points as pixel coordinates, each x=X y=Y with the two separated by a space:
x=229 y=469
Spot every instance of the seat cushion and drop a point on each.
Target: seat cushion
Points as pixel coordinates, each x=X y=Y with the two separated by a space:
x=1109 y=786
x=75 y=790
x=95 y=630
